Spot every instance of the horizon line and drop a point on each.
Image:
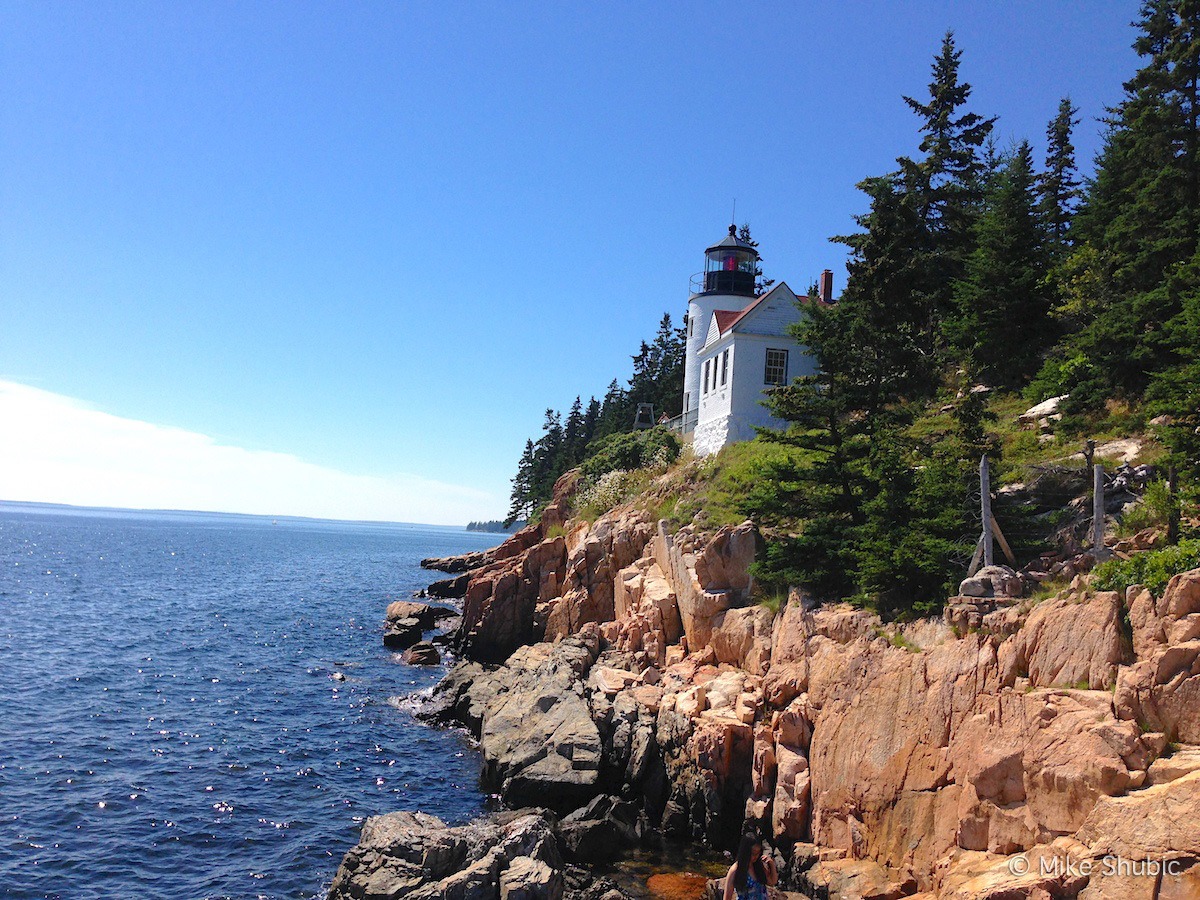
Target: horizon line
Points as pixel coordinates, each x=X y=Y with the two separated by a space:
x=213 y=512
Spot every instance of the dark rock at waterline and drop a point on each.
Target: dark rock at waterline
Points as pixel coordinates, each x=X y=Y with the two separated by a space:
x=450 y=588
x=464 y=563
x=400 y=634
x=599 y=831
x=509 y=856
x=422 y=653
x=406 y=622
x=461 y=697
x=427 y=614
x=539 y=742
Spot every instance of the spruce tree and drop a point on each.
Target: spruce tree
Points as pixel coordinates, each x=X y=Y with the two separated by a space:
x=522 y=501
x=591 y=419
x=761 y=285
x=1059 y=184
x=572 y=447
x=1140 y=218
x=1001 y=326
x=948 y=178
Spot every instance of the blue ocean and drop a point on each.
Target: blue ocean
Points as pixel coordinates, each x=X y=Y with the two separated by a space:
x=170 y=726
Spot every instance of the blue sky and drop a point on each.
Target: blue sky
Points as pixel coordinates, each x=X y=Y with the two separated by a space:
x=379 y=239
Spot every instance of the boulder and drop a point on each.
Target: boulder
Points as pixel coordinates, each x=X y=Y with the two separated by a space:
x=462 y=563
x=1041 y=410
x=857 y=879
x=993 y=581
x=742 y=637
x=527 y=878
x=539 y=743
x=418 y=856
x=1162 y=693
x=1182 y=596
x=400 y=634
x=599 y=831
x=449 y=587
x=422 y=653
x=1158 y=822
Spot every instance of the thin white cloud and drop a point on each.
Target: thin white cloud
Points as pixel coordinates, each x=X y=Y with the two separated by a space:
x=54 y=449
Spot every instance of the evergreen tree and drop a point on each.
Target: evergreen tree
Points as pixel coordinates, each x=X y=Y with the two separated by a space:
x=948 y=180
x=761 y=285
x=591 y=419
x=886 y=298
x=522 y=500
x=1059 y=183
x=572 y=448
x=616 y=413
x=1001 y=326
x=1175 y=392
x=547 y=458
x=1140 y=217
x=833 y=437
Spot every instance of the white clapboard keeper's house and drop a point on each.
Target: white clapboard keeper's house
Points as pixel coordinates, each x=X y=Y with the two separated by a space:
x=738 y=347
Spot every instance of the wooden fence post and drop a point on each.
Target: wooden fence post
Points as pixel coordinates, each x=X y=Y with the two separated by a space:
x=1098 y=549
x=985 y=509
x=1173 y=515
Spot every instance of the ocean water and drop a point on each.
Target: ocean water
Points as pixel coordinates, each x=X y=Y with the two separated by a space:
x=169 y=726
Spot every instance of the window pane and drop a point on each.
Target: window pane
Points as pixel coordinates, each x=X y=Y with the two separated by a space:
x=776 y=367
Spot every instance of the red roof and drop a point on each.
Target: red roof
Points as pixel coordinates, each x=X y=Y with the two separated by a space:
x=727 y=320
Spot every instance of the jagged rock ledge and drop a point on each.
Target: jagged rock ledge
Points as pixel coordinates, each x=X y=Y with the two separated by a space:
x=618 y=660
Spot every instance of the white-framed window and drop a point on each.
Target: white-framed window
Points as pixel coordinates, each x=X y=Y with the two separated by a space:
x=775 y=372
x=706 y=365
x=691 y=327
x=724 y=368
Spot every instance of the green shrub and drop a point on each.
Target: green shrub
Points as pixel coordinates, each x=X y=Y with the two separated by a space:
x=1153 y=509
x=610 y=490
x=1153 y=568
x=631 y=450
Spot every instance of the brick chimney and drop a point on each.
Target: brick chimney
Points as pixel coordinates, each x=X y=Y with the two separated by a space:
x=825 y=287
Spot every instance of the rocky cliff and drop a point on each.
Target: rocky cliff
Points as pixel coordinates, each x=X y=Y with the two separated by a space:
x=1012 y=749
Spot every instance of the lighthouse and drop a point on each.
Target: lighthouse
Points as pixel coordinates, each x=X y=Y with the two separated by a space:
x=726 y=285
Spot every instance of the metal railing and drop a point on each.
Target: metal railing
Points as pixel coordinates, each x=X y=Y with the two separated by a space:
x=684 y=423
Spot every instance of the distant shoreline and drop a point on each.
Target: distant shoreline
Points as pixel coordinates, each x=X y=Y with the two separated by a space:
x=35 y=506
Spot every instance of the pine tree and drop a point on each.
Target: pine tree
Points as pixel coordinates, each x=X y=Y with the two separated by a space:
x=917 y=237
x=1058 y=185
x=616 y=412
x=591 y=419
x=1003 y=308
x=547 y=458
x=572 y=447
x=1140 y=218
x=761 y=285
x=886 y=302
x=948 y=179
x=832 y=439
x=522 y=500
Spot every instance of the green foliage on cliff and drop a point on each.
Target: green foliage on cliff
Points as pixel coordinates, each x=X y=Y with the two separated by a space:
x=978 y=285
x=657 y=379
x=972 y=267
x=1152 y=569
x=631 y=450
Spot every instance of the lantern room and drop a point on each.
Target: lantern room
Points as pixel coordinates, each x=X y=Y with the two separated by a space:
x=730 y=266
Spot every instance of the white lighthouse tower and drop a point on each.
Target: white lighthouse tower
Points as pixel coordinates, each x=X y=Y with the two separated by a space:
x=727 y=284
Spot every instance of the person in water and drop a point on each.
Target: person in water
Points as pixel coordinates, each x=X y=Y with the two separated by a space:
x=753 y=872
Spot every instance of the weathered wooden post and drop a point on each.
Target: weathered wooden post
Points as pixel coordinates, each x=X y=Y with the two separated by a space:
x=985 y=509
x=1098 y=549
x=1173 y=514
